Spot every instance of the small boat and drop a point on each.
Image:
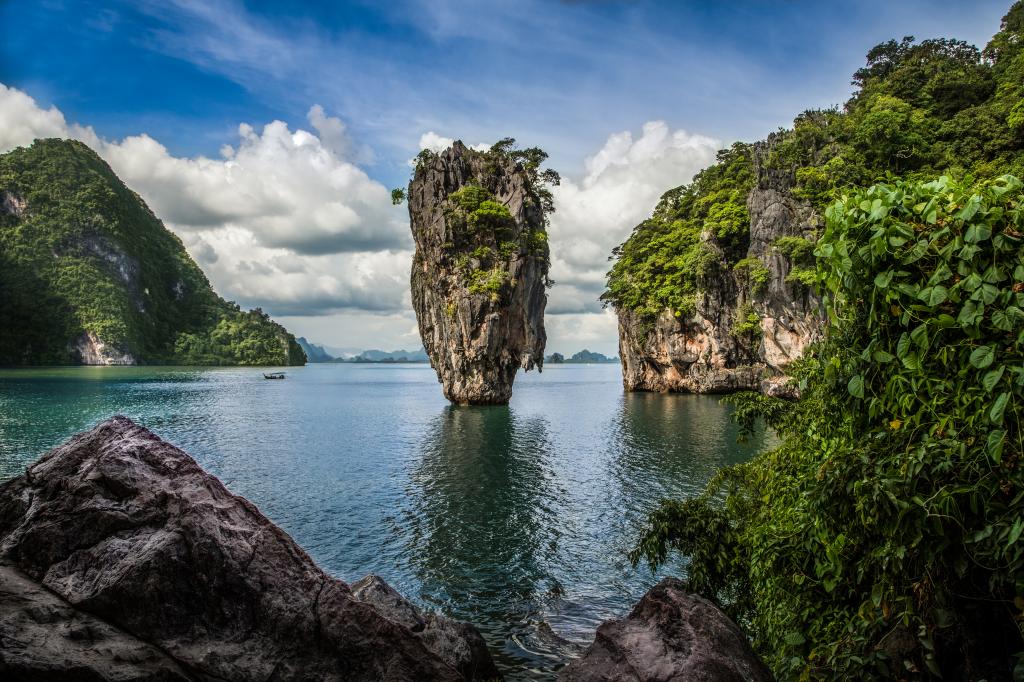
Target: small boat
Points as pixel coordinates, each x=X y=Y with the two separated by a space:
x=273 y=375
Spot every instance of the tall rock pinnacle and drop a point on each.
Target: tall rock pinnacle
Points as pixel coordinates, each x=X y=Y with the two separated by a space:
x=481 y=266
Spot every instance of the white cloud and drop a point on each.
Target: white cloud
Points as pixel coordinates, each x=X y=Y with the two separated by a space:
x=437 y=143
x=22 y=120
x=622 y=183
x=570 y=333
x=290 y=189
x=286 y=219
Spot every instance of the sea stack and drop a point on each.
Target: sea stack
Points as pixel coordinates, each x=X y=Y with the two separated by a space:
x=480 y=271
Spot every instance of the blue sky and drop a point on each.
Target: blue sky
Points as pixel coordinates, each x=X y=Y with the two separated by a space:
x=558 y=74
x=564 y=76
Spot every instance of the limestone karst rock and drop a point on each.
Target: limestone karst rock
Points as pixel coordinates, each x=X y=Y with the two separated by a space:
x=89 y=275
x=703 y=353
x=480 y=270
x=121 y=559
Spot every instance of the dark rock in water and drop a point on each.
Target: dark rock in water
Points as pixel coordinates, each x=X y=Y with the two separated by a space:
x=458 y=644
x=42 y=637
x=479 y=272
x=669 y=635
x=143 y=566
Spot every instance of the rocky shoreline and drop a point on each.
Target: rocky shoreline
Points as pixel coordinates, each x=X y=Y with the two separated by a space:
x=122 y=559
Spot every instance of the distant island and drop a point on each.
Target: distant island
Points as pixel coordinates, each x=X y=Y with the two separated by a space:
x=89 y=275
x=583 y=357
x=317 y=353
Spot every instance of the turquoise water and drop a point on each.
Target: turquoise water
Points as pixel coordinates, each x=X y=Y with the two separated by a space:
x=517 y=519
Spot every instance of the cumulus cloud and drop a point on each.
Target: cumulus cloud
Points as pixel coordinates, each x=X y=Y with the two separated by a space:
x=290 y=189
x=284 y=219
x=436 y=143
x=621 y=184
x=22 y=120
x=572 y=332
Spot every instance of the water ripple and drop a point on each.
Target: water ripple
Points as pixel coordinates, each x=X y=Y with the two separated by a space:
x=515 y=518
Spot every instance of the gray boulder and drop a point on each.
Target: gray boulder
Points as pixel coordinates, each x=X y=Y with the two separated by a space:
x=459 y=645
x=121 y=559
x=670 y=635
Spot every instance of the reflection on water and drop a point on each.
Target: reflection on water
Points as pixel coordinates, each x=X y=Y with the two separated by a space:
x=481 y=498
x=515 y=518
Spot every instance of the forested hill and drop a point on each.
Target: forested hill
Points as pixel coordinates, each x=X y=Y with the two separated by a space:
x=89 y=275
x=884 y=537
x=920 y=109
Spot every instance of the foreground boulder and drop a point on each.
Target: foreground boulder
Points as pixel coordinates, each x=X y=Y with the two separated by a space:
x=481 y=267
x=121 y=559
x=458 y=644
x=669 y=635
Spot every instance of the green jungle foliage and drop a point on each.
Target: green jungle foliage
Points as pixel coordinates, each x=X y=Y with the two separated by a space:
x=87 y=255
x=483 y=231
x=921 y=110
x=882 y=538
x=661 y=263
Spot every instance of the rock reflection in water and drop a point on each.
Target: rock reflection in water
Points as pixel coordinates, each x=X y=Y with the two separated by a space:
x=480 y=500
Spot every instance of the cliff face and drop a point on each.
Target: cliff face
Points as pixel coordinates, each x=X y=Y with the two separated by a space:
x=479 y=272
x=750 y=322
x=121 y=559
x=88 y=275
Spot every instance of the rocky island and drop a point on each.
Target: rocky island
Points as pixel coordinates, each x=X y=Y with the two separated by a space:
x=90 y=276
x=480 y=271
x=743 y=313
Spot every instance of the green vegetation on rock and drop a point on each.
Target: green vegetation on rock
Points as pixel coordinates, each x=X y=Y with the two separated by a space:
x=82 y=256
x=883 y=537
x=483 y=231
x=660 y=265
x=921 y=110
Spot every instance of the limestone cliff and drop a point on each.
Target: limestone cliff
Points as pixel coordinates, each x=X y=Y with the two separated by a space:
x=89 y=275
x=480 y=268
x=752 y=316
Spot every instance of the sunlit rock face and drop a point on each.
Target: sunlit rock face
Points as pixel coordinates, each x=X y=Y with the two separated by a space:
x=702 y=353
x=480 y=270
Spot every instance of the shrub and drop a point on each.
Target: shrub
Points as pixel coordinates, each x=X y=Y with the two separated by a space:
x=753 y=274
x=883 y=537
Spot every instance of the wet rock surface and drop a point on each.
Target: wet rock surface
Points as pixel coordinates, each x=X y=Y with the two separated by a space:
x=669 y=635
x=458 y=644
x=701 y=354
x=120 y=558
x=479 y=273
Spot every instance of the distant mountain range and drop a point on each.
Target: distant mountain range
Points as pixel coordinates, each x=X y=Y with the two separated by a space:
x=583 y=357
x=318 y=353
x=314 y=353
